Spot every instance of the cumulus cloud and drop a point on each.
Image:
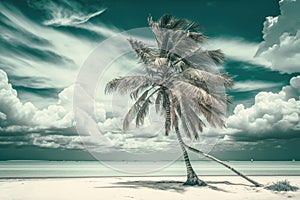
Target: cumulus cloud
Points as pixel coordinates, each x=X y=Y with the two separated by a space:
x=19 y=113
x=146 y=138
x=281 y=36
x=280 y=49
x=54 y=127
x=273 y=115
x=10 y=105
x=23 y=124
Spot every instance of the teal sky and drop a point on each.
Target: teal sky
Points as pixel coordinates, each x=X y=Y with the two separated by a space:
x=44 y=44
x=217 y=18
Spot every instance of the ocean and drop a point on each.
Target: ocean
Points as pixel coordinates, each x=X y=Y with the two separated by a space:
x=37 y=169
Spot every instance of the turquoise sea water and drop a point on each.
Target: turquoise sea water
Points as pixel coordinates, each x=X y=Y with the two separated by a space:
x=17 y=169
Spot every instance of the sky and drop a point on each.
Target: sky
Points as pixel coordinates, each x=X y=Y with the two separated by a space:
x=45 y=45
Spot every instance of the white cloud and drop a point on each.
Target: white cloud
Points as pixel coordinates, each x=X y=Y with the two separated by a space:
x=30 y=122
x=61 y=17
x=245 y=86
x=71 y=51
x=237 y=49
x=45 y=127
x=2 y=116
x=19 y=113
x=273 y=115
x=280 y=49
x=10 y=105
x=65 y=13
x=281 y=34
x=146 y=138
x=54 y=141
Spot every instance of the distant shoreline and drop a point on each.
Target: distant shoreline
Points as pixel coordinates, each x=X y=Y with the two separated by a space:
x=166 y=176
x=57 y=169
x=146 y=161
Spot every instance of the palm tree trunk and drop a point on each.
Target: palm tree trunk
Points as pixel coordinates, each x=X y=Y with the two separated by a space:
x=192 y=178
x=222 y=163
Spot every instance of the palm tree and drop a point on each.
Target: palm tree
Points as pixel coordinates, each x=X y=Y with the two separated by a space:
x=180 y=80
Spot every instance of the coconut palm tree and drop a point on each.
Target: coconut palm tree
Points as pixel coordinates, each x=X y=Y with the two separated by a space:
x=181 y=80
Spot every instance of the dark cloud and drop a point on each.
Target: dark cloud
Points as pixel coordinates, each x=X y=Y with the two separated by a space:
x=34 y=153
x=277 y=135
x=29 y=82
x=266 y=150
x=42 y=92
x=27 y=51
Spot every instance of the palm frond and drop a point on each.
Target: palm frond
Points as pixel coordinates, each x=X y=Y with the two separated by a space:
x=146 y=54
x=192 y=26
x=185 y=127
x=191 y=122
x=168 y=21
x=134 y=110
x=129 y=117
x=192 y=91
x=216 y=55
x=198 y=59
x=142 y=112
x=211 y=108
x=228 y=81
x=188 y=126
x=195 y=122
x=212 y=81
x=197 y=36
x=169 y=30
x=214 y=116
x=179 y=44
x=185 y=54
x=139 y=109
x=175 y=102
x=135 y=93
x=157 y=69
x=128 y=83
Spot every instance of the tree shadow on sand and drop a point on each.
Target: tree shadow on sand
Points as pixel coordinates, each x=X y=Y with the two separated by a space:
x=168 y=185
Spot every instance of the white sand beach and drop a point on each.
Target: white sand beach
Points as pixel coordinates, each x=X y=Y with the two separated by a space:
x=124 y=188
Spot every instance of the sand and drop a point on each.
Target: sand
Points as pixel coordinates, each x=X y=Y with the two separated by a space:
x=142 y=188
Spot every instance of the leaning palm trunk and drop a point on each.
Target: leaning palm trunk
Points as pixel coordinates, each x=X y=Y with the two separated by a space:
x=192 y=178
x=220 y=162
